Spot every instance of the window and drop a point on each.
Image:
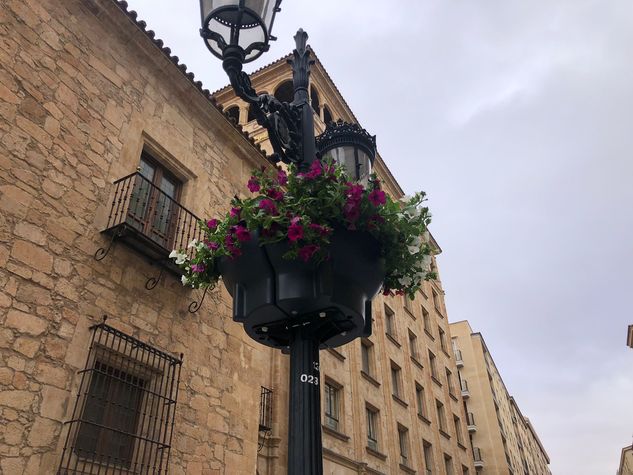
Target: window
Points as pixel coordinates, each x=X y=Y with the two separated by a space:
x=327 y=115
x=408 y=304
x=395 y=379
x=427 y=321
x=153 y=207
x=372 y=427
x=442 y=339
x=367 y=357
x=433 y=365
x=265 y=409
x=403 y=441
x=233 y=113
x=441 y=416
x=285 y=92
x=428 y=457
x=314 y=100
x=114 y=401
x=332 y=405
x=390 y=326
x=458 y=429
x=127 y=396
x=449 y=382
x=436 y=302
x=413 y=345
x=448 y=465
x=420 y=400
x=464 y=470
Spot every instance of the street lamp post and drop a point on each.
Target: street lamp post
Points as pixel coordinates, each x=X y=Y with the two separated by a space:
x=290 y=305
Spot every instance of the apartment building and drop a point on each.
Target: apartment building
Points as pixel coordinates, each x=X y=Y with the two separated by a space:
x=110 y=152
x=504 y=441
x=629 y=336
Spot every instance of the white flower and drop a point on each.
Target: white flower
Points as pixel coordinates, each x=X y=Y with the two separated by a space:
x=184 y=280
x=426 y=262
x=426 y=237
x=180 y=257
x=192 y=244
x=413 y=249
x=405 y=198
x=405 y=281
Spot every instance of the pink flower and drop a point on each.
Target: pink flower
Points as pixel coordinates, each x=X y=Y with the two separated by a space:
x=242 y=234
x=282 y=178
x=212 y=245
x=268 y=206
x=295 y=231
x=306 y=252
x=276 y=195
x=377 y=197
x=235 y=212
x=212 y=224
x=253 y=185
x=199 y=268
x=354 y=192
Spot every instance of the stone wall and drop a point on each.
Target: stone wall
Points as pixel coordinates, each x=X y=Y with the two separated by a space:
x=82 y=91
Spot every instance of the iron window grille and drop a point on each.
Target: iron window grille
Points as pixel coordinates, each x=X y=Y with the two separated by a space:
x=266 y=410
x=123 y=419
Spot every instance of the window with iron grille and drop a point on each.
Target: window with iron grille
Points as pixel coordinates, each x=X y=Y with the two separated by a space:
x=124 y=412
x=266 y=409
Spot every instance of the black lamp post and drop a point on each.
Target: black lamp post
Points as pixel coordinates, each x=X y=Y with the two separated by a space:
x=290 y=305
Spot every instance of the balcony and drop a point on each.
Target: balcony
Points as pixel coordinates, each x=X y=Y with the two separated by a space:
x=470 y=420
x=465 y=391
x=458 y=359
x=479 y=461
x=151 y=222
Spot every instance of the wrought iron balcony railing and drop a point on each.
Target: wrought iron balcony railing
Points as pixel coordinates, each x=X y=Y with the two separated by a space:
x=150 y=221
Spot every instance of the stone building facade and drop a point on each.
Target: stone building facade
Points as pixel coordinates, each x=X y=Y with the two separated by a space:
x=102 y=127
x=504 y=441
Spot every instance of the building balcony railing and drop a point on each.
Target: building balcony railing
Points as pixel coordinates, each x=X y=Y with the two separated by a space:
x=479 y=461
x=151 y=222
x=470 y=420
x=458 y=359
x=464 y=387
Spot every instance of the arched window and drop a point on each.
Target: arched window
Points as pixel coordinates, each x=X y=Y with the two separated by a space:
x=327 y=115
x=314 y=99
x=251 y=113
x=233 y=113
x=285 y=92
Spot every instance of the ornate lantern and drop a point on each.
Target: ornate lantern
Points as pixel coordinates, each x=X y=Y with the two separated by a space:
x=351 y=146
x=241 y=26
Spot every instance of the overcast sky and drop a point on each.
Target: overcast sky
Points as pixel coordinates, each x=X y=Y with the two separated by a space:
x=516 y=117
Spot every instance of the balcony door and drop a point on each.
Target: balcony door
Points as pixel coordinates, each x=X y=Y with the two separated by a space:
x=153 y=206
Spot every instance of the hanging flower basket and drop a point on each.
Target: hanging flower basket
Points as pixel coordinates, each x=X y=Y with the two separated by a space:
x=311 y=248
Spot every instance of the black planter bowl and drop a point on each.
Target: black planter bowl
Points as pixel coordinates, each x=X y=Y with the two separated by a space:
x=273 y=295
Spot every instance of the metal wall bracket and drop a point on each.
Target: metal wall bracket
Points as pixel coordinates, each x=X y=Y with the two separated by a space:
x=152 y=282
x=104 y=251
x=195 y=306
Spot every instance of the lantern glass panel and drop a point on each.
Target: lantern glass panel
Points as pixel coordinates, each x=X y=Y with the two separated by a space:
x=363 y=166
x=345 y=156
x=245 y=23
